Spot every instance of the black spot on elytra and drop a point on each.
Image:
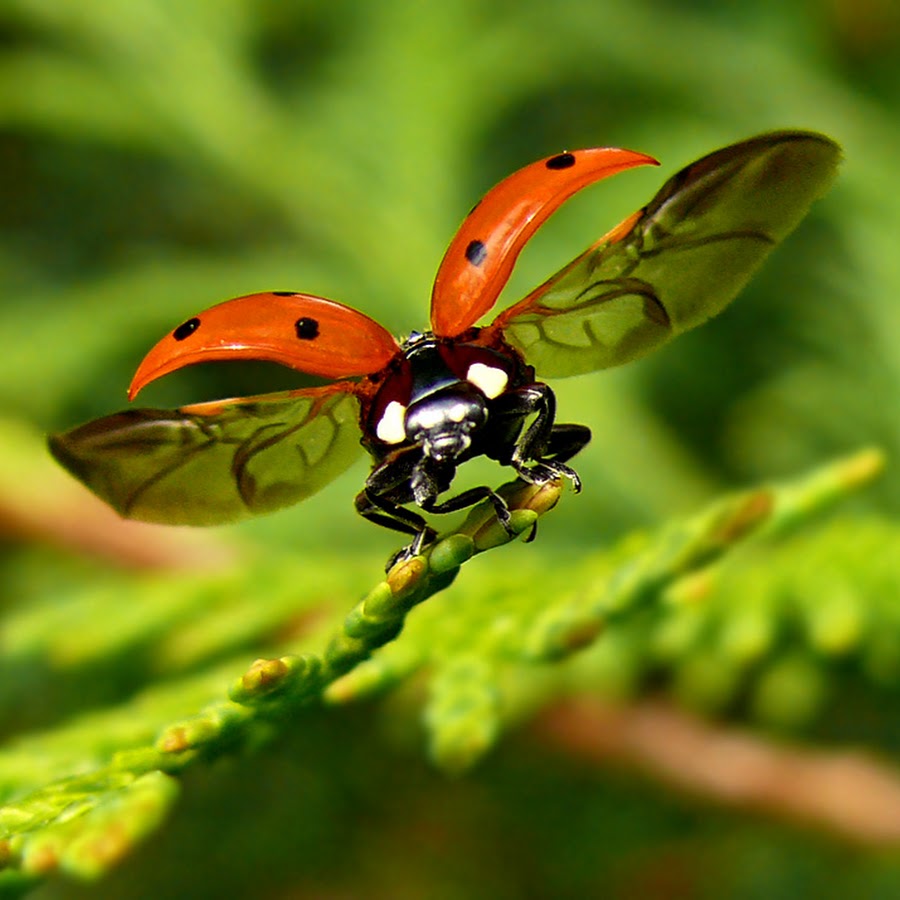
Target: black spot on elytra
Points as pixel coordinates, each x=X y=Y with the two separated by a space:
x=476 y=253
x=307 y=329
x=186 y=329
x=285 y=293
x=561 y=161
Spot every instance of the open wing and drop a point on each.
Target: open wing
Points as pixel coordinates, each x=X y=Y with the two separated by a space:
x=482 y=254
x=302 y=331
x=217 y=462
x=675 y=263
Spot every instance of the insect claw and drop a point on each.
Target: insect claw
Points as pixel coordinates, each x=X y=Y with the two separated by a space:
x=575 y=479
x=543 y=472
x=425 y=537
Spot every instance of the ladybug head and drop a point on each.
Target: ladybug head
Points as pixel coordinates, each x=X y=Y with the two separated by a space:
x=442 y=423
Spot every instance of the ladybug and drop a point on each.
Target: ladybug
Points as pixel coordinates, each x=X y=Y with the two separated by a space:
x=440 y=397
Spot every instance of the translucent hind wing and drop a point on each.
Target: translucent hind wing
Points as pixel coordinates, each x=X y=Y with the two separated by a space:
x=218 y=462
x=675 y=263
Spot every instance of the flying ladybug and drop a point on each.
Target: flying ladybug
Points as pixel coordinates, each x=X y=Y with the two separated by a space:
x=423 y=406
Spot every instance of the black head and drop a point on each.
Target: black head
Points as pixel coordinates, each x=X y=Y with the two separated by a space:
x=443 y=423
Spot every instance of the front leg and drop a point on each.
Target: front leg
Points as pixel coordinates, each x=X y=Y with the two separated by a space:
x=470 y=498
x=379 y=509
x=397 y=480
x=539 y=454
x=564 y=442
x=409 y=476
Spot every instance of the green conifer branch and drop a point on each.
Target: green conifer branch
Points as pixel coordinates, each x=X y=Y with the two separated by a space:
x=79 y=796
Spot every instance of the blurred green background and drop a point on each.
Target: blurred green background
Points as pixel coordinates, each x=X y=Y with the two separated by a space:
x=158 y=157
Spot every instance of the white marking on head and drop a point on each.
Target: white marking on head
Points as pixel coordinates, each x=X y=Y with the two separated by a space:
x=391 y=427
x=490 y=380
x=458 y=412
x=429 y=415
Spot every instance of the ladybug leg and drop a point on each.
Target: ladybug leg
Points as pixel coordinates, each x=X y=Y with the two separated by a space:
x=382 y=511
x=539 y=455
x=430 y=479
x=567 y=440
x=564 y=442
x=393 y=482
x=401 y=478
x=410 y=477
x=470 y=498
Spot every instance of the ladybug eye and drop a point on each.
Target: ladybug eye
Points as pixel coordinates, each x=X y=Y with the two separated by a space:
x=306 y=328
x=186 y=329
x=476 y=253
